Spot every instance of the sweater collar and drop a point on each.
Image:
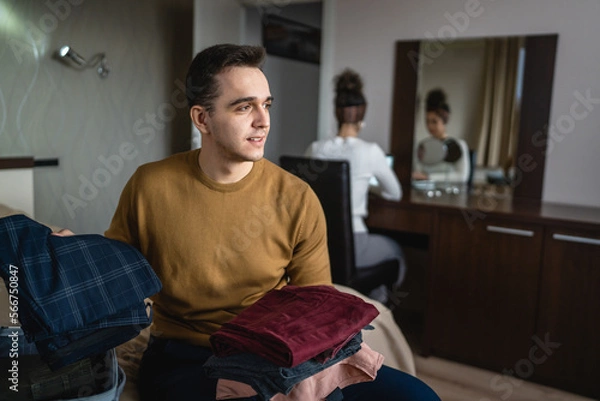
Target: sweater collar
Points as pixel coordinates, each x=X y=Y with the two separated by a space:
x=245 y=182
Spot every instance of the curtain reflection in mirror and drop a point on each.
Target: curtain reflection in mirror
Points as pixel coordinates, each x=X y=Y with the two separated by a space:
x=498 y=133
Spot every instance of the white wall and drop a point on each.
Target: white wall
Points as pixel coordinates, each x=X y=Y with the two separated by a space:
x=217 y=22
x=365 y=32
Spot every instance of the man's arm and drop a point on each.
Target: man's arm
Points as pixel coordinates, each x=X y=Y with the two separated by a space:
x=310 y=259
x=123 y=226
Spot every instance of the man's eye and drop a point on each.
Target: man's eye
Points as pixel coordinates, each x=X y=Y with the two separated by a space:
x=244 y=108
x=267 y=106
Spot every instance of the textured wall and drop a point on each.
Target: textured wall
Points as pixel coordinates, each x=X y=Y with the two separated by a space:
x=99 y=129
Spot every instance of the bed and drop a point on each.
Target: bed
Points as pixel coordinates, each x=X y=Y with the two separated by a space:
x=386 y=338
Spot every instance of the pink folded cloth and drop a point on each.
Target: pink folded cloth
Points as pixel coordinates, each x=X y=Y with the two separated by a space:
x=294 y=324
x=358 y=368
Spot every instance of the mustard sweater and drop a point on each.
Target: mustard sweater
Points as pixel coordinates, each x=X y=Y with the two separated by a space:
x=217 y=248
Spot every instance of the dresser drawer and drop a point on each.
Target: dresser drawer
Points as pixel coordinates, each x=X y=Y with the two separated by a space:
x=400 y=219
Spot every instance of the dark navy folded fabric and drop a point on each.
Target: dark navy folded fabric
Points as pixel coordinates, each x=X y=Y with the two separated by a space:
x=70 y=283
x=294 y=324
x=71 y=288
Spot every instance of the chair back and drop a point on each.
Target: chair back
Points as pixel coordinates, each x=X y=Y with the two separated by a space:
x=330 y=180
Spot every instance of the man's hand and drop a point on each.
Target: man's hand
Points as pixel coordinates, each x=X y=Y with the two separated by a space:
x=65 y=232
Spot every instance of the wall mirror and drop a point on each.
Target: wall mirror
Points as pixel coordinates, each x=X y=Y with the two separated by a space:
x=499 y=91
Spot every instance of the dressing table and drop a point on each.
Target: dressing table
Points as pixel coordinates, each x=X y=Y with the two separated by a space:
x=510 y=285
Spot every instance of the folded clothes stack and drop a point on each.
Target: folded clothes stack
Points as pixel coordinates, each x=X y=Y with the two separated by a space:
x=74 y=297
x=292 y=339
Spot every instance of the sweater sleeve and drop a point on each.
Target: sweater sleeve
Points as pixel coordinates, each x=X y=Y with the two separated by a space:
x=310 y=260
x=123 y=226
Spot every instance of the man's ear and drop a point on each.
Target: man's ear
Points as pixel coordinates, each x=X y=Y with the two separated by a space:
x=199 y=117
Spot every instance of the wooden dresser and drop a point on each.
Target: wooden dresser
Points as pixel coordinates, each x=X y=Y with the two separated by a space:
x=511 y=286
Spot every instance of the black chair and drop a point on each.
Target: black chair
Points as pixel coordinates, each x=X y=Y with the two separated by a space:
x=330 y=180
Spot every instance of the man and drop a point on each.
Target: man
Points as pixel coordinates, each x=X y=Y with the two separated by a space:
x=220 y=225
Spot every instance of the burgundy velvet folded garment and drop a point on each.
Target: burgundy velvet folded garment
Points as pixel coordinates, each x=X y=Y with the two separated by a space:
x=294 y=324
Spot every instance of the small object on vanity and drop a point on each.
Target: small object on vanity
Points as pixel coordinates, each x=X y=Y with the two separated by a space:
x=434 y=151
x=434 y=193
x=497 y=178
x=423 y=185
x=452 y=190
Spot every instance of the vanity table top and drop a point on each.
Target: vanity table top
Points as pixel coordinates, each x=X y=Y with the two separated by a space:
x=495 y=202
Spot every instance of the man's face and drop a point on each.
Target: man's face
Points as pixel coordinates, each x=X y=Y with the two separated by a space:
x=239 y=122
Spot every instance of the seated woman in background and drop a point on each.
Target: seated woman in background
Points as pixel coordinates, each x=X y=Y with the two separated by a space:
x=436 y=119
x=367 y=160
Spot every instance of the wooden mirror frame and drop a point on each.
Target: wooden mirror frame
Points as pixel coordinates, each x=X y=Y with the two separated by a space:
x=538 y=78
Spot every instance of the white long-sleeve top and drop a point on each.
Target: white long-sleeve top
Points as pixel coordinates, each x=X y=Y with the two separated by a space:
x=366 y=160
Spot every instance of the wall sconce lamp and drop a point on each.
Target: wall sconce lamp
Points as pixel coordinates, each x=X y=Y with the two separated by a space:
x=67 y=54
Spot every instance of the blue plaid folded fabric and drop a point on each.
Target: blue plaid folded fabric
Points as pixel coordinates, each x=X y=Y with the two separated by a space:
x=79 y=282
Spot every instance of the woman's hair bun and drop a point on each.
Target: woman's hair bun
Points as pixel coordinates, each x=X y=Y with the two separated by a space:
x=348 y=89
x=436 y=99
x=348 y=81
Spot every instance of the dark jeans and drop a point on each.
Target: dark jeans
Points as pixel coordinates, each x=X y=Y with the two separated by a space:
x=172 y=371
x=36 y=382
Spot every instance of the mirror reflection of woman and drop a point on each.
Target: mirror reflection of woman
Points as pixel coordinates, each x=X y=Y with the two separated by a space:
x=367 y=160
x=436 y=120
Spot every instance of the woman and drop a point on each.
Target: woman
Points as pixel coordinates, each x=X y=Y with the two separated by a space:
x=436 y=119
x=367 y=160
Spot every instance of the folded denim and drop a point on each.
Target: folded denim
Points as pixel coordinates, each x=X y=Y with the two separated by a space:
x=117 y=377
x=37 y=382
x=76 y=347
x=60 y=351
x=358 y=368
x=118 y=380
x=268 y=379
x=71 y=283
x=95 y=378
x=294 y=324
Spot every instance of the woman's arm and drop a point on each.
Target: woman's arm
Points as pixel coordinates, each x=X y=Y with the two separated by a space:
x=389 y=186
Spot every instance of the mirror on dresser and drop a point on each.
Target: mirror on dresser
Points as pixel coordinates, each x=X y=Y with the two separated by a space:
x=424 y=65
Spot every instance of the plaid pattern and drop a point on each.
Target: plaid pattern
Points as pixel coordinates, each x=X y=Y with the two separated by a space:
x=80 y=282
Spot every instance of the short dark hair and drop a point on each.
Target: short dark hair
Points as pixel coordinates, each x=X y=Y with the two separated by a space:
x=201 y=85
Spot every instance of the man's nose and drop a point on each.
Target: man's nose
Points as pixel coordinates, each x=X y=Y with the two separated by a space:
x=262 y=118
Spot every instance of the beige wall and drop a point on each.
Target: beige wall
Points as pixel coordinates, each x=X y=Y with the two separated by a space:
x=99 y=129
x=363 y=33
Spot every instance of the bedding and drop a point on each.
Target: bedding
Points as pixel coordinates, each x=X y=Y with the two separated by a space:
x=386 y=337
